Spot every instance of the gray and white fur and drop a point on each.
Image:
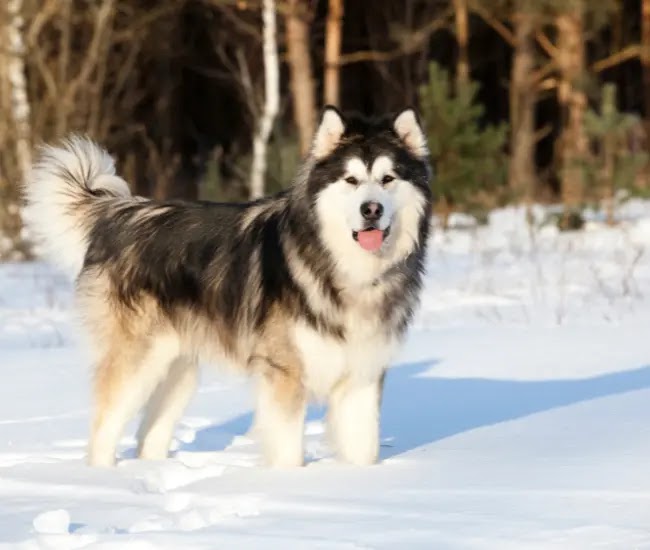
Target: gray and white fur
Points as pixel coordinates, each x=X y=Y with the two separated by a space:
x=310 y=291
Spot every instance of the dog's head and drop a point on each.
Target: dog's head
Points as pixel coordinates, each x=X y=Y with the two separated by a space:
x=369 y=184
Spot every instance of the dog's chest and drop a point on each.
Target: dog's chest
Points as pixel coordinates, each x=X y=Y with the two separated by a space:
x=366 y=351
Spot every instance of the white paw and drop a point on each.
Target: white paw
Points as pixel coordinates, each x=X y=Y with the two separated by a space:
x=285 y=460
x=359 y=454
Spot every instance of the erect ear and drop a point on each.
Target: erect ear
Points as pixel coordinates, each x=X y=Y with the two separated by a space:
x=329 y=132
x=408 y=129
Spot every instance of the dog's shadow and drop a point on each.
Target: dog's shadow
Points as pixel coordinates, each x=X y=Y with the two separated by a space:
x=419 y=408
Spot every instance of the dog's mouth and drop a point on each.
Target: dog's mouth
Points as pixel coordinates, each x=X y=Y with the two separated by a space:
x=371 y=239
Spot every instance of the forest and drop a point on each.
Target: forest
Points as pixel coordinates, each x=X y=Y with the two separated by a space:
x=523 y=101
x=501 y=381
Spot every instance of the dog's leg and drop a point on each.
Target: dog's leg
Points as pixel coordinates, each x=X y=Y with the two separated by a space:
x=122 y=384
x=353 y=420
x=280 y=416
x=165 y=409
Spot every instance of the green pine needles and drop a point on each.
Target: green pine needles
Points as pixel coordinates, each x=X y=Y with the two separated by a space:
x=470 y=164
x=617 y=158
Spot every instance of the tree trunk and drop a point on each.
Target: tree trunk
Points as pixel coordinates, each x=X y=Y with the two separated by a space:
x=302 y=82
x=20 y=109
x=609 y=152
x=645 y=63
x=462 y=38
x=13 y=44
x=271 y=99
x=573 y=102
x=521 y=176
x=333 y=52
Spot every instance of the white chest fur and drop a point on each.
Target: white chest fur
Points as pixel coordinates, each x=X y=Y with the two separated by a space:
x=366 y=351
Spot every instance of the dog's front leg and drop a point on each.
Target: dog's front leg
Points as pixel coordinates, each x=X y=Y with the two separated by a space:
x=353 y=419
x=280 y=415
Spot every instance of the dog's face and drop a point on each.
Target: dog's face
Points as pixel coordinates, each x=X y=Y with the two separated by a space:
x=370 y=185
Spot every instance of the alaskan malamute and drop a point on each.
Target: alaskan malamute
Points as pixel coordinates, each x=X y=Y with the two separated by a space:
x=310 y=290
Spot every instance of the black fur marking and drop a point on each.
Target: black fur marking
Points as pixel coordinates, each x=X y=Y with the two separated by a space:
x=368 y=139
x=201 y=256
x=304 y=232
x=173 y=255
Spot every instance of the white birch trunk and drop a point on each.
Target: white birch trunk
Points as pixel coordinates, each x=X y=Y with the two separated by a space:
x=271 y=100
x=20 y=109
x=16 y=110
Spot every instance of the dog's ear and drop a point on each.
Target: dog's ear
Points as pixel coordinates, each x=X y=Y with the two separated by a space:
x=407 y=127
x=329 y=132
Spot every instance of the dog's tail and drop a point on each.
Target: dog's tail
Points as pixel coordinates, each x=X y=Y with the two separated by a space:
x=66 y=189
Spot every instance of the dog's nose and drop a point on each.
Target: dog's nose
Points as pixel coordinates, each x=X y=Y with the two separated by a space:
x=371 y=210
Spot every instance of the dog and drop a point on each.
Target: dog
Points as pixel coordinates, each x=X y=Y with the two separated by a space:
x=309 y=291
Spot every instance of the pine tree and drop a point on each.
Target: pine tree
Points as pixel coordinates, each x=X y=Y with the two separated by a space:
x=549 y=53
x=523 y=100
x=333 y=38
x=303 y=94
x=468 y=160
x=613 y=166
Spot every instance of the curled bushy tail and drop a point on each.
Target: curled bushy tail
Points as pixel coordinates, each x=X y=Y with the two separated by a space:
x=64 y=192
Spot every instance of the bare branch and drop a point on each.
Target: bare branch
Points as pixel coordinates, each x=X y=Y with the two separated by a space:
x=144 y=21
x=124 y=73
x=42 y=17
x=546 y=44
x=246 y=28
x=104 y=14
x=413 y=44
x=45 y=72
x=247 y=83
x=548 y=84
x=543 y=72
x=543 y=132
x=631 y=52
x=502 y=30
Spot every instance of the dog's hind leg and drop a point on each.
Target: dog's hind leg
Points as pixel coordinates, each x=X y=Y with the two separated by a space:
x=353 y=420
x=124 y=380
x=280 y=416
x=165 y=408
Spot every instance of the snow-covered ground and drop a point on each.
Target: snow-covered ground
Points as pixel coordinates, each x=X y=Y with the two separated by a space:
x=518 y=416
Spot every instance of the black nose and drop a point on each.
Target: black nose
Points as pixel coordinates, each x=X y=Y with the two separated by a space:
x=371 y=210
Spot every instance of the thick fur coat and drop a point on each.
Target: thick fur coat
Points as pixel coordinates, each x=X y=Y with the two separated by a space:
x=310 y=291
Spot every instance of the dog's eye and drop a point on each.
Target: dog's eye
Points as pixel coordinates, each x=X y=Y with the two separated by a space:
x=387 y=179
x=352 y=180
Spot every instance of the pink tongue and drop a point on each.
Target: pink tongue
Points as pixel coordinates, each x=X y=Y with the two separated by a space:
x=370 y=240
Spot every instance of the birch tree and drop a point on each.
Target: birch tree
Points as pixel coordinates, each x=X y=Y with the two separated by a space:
x=18 y=108
x=271 y=99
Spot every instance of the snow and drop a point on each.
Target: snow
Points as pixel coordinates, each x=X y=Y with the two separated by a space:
x=518 y=416
x=55 y=522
